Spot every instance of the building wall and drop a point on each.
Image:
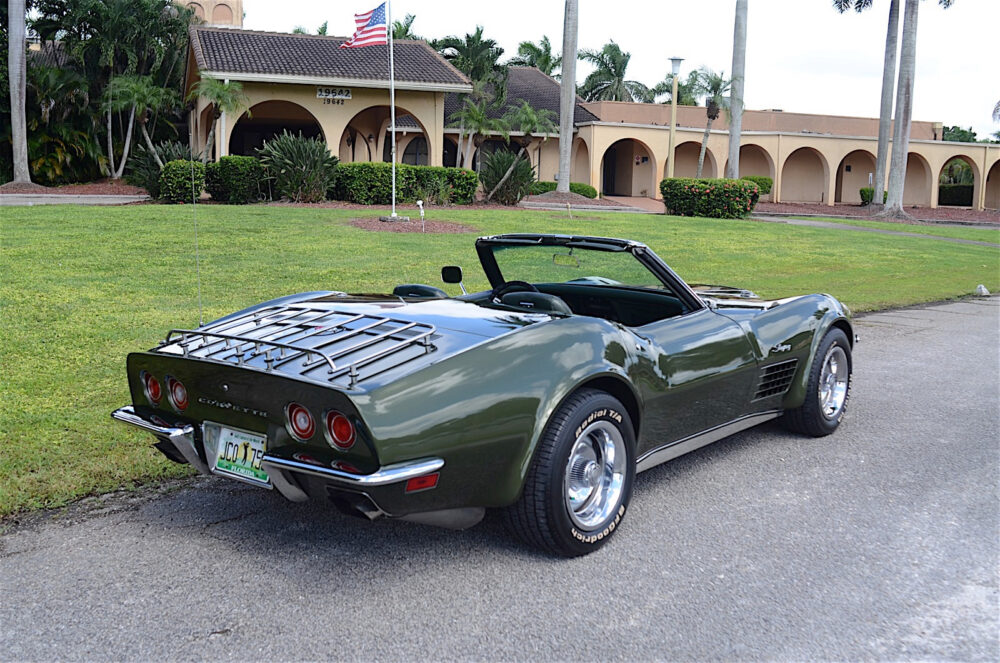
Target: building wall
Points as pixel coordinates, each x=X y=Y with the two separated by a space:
x=217 y=12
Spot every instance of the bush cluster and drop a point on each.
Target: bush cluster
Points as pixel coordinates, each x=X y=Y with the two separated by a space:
x=142 y=169
x=370 y=183
x=544 y=186
x=301 y=169
x=763 y=182
x=515 y=187
x=955 y=194
x=236 y=180
x=868 y=195
x=182 y=180
x=715 y=198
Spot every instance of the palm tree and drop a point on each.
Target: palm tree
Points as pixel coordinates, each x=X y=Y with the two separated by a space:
x=224 y=97
x=607 y=82
x=144 y=98
x=736 y=93
x=714 y=87
x=17 y=70
x=686 y=89
x=404 y=29
x=474 y=56
x=996 y=112
x=476 y=119
x=567 y=93
x=531 y=122
x=538 y=55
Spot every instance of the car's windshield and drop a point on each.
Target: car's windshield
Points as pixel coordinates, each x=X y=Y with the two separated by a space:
x=562 y=264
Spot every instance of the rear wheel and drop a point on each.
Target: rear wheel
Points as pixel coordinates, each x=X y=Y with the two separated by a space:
x=580 y=482
x=828 y=388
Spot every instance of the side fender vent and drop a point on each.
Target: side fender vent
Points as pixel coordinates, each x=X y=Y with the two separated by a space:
x=775 y=379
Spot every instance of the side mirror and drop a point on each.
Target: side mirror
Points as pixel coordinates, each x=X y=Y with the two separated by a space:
x=453 y=274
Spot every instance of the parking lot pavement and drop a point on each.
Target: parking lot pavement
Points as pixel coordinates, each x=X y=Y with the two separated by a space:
x=880 y=542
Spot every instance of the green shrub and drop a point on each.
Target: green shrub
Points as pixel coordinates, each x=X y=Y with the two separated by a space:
x=370 y=183
x=715 y=198
x=544 y=186
x=235 y=179
x=868 y=195
x=955 y=194
x=182 y=180
x=763 y=182
x=142 y=169
x=517 y=186
x=301 y=169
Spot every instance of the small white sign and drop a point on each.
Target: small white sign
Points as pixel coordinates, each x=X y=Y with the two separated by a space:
x=329 y=94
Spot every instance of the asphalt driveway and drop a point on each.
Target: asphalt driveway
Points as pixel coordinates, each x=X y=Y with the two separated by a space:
x=880 y=542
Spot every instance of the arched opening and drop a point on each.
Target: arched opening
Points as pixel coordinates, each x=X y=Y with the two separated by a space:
x=580 y=168
x=628 y=169
x=993 y=187
x=957 y=183
x=367 y=136
x=687 y=161
x=415 y=151
x=917 y=185
x=267 y=120
x=222 y=15
x=449 y=156
x=488 y=146
x=198 y=10
x=804 y=176
x=755 y=160
x=856 y=171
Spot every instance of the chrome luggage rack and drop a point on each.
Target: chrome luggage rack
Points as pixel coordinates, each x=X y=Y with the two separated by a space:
x=303 y=339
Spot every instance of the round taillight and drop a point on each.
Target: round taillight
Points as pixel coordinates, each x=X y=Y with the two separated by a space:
x=151 y=387
x=339 y=430
x=299 y=422
x=176 y=393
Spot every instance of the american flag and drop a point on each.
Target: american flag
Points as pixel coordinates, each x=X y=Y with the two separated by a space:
x=372 y=29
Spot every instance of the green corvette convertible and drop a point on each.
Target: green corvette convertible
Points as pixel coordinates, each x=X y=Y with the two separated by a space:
x=588 y=361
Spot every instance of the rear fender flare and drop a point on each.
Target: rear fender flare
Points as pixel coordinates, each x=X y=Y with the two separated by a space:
x=837 y=316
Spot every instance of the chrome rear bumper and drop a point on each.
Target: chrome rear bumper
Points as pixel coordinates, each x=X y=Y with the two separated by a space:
x=181 y=437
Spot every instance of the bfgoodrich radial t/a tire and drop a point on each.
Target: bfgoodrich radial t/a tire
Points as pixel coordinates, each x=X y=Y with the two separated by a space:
x=828 y=388
x=580 y=482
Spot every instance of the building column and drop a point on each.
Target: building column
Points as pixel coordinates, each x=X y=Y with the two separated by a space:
x=831 y=185
x=778 y=167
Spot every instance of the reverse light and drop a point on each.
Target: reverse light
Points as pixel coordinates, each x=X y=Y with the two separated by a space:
x=176 y=393
x=339 y=430
x=151 y=387
x=425 y=482
x=299 y=422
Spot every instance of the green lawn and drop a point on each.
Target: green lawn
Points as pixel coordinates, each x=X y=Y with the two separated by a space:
x=979 y=234
x=81 y=287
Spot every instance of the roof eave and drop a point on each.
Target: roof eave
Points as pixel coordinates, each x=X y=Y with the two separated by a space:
x=344 y=82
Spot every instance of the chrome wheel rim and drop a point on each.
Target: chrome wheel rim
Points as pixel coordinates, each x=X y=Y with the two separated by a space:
x=595 y=475
x=833 y=381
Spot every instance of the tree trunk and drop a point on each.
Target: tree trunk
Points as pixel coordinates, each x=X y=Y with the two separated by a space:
x=149 y=145
x=736 y=90
x=704 y=146
x=211 y=138
x=506 y=176
x=128 y=144
x=17 y=70
x=469 y=146
x=885 y=112
x=904 y=112
x=459 y=157
x=111 y=148
x=567 y=93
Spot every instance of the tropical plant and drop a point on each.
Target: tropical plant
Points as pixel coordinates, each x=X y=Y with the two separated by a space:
x=607 y=82
x=476 y=118
x=713 y=86
x=958 y=134
x=301 y=30
x=145 y=168
x=139 y=94
x=507 y=176
x=687 y=90
x=736 y=90
x=404 y=29
x=540 y=56
x=567 y=93
x=531 y=122
x=224 y=97
x=17 y=76
x=996 y=112
x=302 y=169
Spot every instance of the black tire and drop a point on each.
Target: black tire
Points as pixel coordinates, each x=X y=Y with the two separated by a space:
x=541 y=517
x=810 y=418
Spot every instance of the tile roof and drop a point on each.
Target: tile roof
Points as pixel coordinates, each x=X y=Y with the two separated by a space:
x=278 y=54
x=531 y=85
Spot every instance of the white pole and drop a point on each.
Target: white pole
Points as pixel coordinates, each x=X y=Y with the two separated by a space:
x=392 y=100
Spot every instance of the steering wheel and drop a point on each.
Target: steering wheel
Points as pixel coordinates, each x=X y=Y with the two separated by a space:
x=511 y=286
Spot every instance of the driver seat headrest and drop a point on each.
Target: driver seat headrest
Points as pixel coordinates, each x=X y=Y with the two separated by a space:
x=537 y=301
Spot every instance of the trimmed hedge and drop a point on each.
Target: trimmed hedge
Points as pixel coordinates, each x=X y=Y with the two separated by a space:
x=235 y=179
x=715 y=198
x=370 y=183
x=868 y=195
x=762 y=181
x=544 y=186
x=955 y=194
x=181 y=180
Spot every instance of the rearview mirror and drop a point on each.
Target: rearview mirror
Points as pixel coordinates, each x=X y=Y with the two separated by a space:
x=451 y=274
x=565 y=260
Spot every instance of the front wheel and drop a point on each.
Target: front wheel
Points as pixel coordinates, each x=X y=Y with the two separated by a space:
x=580 y=482
x=828 y=388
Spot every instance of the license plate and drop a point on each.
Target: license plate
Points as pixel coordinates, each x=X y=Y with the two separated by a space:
x=238 y=453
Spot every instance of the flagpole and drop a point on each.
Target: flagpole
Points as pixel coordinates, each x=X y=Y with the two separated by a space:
x=392 y=99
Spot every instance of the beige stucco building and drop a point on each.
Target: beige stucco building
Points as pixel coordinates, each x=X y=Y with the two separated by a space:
x=306 y=83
